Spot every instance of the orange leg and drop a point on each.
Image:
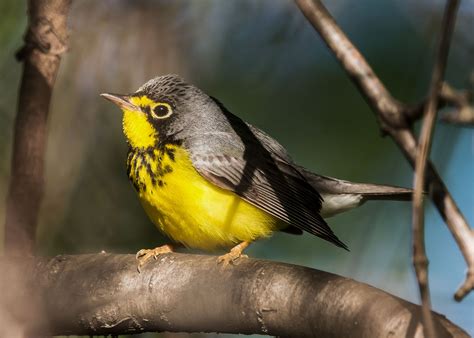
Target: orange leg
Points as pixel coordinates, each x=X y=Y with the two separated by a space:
x=234 y=254
x=145 y=254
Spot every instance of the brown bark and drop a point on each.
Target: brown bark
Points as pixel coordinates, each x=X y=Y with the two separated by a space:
x=462 y=111
x=45 y=41
x=104 y=294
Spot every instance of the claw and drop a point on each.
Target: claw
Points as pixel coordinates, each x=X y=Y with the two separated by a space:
x=144 y=255
x=141 y=253
x=234 y=254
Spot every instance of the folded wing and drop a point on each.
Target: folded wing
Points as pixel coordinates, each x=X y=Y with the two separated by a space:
x=268 y=183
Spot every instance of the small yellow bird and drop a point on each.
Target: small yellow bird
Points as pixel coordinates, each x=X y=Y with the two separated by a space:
x=209 y=180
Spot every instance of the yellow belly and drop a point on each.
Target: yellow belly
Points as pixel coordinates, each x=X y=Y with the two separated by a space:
x=195 y=212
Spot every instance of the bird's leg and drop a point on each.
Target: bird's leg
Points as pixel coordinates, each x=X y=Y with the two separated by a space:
x=144 y=255
x=234 y=254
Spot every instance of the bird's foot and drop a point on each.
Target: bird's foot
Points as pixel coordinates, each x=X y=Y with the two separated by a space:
x=144 y=255
x=234 y=254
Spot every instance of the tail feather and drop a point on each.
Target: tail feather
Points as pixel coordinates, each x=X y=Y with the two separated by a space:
x=333 y=186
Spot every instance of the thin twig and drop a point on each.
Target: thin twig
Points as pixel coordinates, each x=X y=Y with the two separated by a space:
x=463 y=113
x=45 y=41
x=390 y=115
x=420 y=261
x=460 y=100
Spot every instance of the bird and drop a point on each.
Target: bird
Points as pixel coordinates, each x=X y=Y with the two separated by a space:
x=211 y=181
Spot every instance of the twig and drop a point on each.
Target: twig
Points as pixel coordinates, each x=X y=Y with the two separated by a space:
x=45 y=41
x=463 y=112
x=390 y=115
x=461 y=117
x=103 y=294
x=420 y=261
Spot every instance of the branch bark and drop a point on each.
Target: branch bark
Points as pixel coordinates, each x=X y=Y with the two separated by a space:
x=45 y=41
x=463 y=113
x=104 y=294
x=390 y=114
x=460 y=100
x=420 y=261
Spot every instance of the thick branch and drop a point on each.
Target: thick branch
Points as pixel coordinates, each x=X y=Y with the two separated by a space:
x=45 y=41
x=390 y=115
x=104 y=294
x=420 y=261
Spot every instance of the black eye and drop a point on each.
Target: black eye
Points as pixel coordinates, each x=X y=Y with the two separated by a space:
x=162 y=110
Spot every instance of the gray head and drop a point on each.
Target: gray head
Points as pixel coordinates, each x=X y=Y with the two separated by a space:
x=171 y=88
x=163 y=109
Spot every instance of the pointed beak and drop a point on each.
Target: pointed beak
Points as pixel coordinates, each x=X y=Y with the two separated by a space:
x=123 y=101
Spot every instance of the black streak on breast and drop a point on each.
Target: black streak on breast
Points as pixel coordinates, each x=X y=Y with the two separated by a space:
x=152 y=160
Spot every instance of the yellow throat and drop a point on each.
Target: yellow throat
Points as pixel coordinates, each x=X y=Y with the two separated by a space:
x=136 y=127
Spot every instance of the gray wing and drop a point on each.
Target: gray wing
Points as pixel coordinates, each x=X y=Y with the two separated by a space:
x=238 y=160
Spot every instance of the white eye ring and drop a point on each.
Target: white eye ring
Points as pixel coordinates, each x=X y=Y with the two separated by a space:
x=161 y=111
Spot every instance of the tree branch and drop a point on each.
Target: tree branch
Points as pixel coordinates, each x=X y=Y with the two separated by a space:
x=104 y=294
x=45 y=41
x=420 y=261
x=392 y=120
x=463 y=112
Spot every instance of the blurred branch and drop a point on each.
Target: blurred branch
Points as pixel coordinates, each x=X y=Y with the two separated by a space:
x=103 y=294
x=461 y=100
x=420 y=261
x=390 y=115
x=463 y=114
x=45 y=41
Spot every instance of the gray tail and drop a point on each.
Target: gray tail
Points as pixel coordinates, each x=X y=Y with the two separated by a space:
x=329 y=185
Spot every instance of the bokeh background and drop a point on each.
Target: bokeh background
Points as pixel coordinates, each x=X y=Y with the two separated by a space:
x=264 y=61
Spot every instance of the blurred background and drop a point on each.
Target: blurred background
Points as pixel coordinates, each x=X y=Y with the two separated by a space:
x=267 y=65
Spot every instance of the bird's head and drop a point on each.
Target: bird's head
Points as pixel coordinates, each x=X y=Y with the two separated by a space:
x=160 y=110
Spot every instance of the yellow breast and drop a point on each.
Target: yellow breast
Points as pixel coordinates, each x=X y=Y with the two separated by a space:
x=188 y=208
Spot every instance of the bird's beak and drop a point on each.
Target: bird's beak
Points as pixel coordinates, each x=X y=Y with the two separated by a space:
x=123 y=101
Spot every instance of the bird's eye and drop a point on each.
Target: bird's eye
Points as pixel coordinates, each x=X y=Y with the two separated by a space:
x=161 y=111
